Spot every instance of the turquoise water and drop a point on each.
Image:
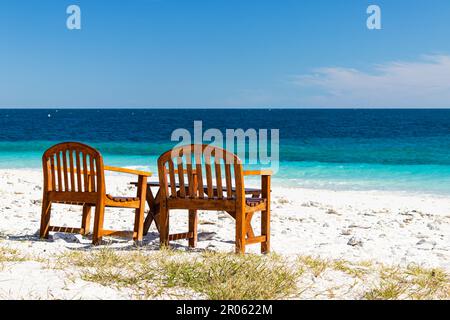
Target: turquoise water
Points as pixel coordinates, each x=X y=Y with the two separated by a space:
x=404 y=150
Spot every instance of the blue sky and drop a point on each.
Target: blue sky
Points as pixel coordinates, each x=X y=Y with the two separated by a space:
x=224 y=53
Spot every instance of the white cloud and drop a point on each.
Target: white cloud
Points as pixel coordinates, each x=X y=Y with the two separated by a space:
x=423 y=83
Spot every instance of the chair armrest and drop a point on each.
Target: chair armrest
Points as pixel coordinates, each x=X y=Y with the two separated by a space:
x=266 y=176
x=258 y=173
x=129 y=171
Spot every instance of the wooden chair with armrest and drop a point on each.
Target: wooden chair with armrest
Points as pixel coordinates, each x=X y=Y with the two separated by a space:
x=74 y=174
x=181 y=189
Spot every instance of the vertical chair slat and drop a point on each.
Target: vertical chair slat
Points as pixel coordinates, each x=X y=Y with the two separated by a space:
x=181 y=177
x=79 y=169
x=198 y=167
x=86 y=173
x=59 y=171
x=72 y=171
x=173 y=188
x=66 y=175
x=191 y=184
x=166 y=188
x=47 y=174
x=93 y=172
x=218 y=178
x=228 y=180
x=209 y=175
x=190 y=175
x=52 y=167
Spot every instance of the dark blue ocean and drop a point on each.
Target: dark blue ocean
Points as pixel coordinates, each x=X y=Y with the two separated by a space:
x=407 y=150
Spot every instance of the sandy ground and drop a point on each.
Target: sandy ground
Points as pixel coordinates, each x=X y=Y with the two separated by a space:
x=388 y=228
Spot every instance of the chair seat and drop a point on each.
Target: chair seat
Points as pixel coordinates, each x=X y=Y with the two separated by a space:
x=253 y=202
x=72 y=203
x=251 y=191
x=121 y=199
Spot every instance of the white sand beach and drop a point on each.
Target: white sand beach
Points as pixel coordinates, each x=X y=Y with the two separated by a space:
x=394 y=229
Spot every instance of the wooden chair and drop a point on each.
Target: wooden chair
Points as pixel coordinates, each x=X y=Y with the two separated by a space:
x=176 y=168
x=74 y=174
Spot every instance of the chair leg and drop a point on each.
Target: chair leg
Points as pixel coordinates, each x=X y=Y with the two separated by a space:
x=86 y=220
x=193 y=221
x=240 y=231
x=140 y=212
x=265 y=215
x=265 y=228
x=98 y=223
x=164 y=226
x=45 y=218
x=139 y=225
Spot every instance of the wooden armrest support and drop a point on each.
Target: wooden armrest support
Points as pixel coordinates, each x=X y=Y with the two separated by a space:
x=258 y=173
x=129 y=171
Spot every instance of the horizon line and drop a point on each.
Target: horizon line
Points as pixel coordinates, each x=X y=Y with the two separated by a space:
x=222 y=108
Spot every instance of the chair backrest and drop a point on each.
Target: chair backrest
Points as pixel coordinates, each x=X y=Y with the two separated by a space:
x=73 y=167
x=219 y=173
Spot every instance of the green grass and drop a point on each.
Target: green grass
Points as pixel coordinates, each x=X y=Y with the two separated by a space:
x=213 y=275
x=358 y=271
x=316 y=265
x=393 y=282
x=225 y=276
x=386 y=290
x=108 y=267
x=414 y=283
x=9 y=255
